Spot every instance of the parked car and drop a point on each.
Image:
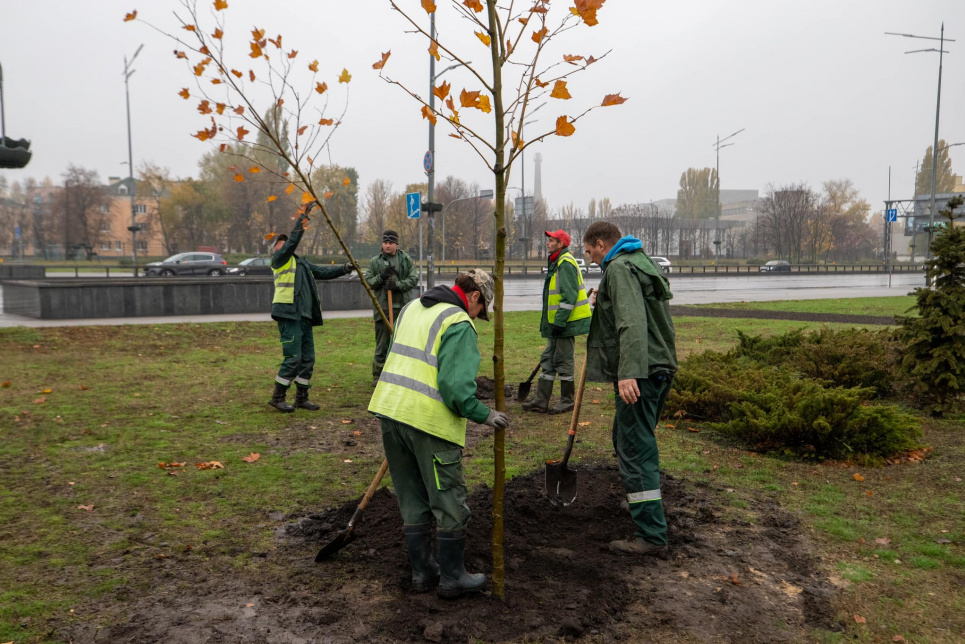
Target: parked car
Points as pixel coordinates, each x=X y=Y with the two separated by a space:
x=594 y=268
x=776 y=265
x=663 y=263
x=579 y=262
x=188 y=264
x=252 y=266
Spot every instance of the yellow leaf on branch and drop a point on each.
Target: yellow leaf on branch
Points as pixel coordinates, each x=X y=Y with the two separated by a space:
x=475 y=5
x=255 y=50
x=560 y=91
x=184 y=93
x=427 y=114
x=239 y=177
x=271 y=198
x=564 y=127
x=429 y=6
x=217 y=34
x=130 y=16
x=321 y=87
x=483 y=104
x=307 y=197
x=326 y=121
x=539 y=35
x=313 y=66
x=346 y=181
x=442 y=91
x=484 y=37
x=290 y=189
x=220 y=4
x=613 y=99
x=381 y=63
x=434 y=50
x=254 y=169
x=241 y=132
x=344 y=77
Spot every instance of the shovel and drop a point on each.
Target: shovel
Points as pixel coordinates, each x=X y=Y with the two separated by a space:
x=524 y=387
x=348 y=535
x=560 y=480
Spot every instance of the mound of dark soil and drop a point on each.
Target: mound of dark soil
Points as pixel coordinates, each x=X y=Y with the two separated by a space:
x=730 y=580
x=486 y=389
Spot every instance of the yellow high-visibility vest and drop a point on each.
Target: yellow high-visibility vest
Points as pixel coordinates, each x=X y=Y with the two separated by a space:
x=555 y=302
x=284 y=283
x=408 y=389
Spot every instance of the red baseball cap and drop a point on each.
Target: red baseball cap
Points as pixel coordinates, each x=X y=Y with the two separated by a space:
x=561 y=235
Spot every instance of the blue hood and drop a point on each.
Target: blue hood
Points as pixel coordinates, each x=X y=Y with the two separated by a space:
x=626 y=244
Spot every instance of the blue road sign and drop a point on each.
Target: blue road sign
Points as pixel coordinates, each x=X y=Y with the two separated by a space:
x=413 y=202
x=16 y=232
x=427 y=162
x=892 y=214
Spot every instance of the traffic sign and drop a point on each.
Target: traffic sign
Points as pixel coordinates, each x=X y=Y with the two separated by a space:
x=16 y=232
x=427 y=161
x=413 y=202
x=892 y=214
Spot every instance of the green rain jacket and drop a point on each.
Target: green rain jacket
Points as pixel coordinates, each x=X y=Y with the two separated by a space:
x=568 y=281
x=307 y=302
x=406 y=279
x=631 y=332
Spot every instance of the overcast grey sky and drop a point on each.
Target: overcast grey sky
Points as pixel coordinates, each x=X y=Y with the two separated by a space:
x=822 y=92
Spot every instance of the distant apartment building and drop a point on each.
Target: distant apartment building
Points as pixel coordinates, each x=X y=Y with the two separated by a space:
x=113 y=239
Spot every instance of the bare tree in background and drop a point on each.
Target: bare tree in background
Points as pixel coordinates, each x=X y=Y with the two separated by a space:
x=375 y=205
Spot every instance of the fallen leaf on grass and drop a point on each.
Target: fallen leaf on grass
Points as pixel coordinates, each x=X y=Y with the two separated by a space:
x=857 y=477
x=883 y=541
x=84 y=387
x=898 y=638
x=210 y=465
x=586 y=424
x=40 y=400
x=944 y=531
x=249 y=605
x=706 y=451
x=794 y=483
x=251 y=458
x=595 y=402
x=160 y=556
x=348 y=460
x=734 y=580
x=693 y=429
x=47 y=391
x=943 y=541
x=859 y=619
x=221 y=422
x=870 y=493
x=685 y=574
x=71 y=483
x=356 y=432
x=168 y=466
x=86 y=507
x=597 y=389
x=346 y=421
x=36 y=346
x=6 y=384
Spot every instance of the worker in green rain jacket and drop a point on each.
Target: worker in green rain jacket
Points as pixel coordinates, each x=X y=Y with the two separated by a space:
x=566 y=314
x=296 y=307
x=426 y=392
x=392 y=271
x=632 y=345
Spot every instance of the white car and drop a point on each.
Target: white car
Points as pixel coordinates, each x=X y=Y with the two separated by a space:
x=663 y=263
x=579 y=262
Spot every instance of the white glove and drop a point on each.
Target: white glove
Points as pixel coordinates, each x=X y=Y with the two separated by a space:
x=497 y=420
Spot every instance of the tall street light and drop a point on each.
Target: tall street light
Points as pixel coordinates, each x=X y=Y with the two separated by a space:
x=128 y=72
x=717 y=147
x=938 y=109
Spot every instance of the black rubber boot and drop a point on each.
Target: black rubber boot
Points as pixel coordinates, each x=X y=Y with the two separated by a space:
x=640 y=547
x=541 y=403
x=455 y=581
x=301 y=399
x=278 y=399
x=425 y=569
x=566 y=403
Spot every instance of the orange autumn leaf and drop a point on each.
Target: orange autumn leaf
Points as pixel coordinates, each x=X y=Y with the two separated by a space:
x=484 y=37
x=292 y=53
x=199 y=69
x=184 y=93
x=321 y=87
x=469 y=99
x=217 y=34
x=612 y=99
x=180 y=54
x=290 y=189
x=204 y=107
x=47 y=391
x=858 y=619
x=302 y=129
x=434 y=50
x=381 y=63
x=41 y=400
x=346 y=181
x=276 y=41
x=344 y=77
x=346 y=421
x=523 y=21
x=310 y=162
x=483 y=104
x=210 y=465
x=237 y=73
x=313 y=66
x=189 y=28
x=586 y=9
x=442 y=91
x=857 y=477
x=239 y=110
x=450 y=104
x=204 y=50
x=86 y=507
x=254 y=169
x=560 y=91
x=255 y=50
x=241 y=132
x=257 y=34
x=538 y=35
x=539 y=83
x=455 y=136
x=429 y=6
x=538 y=9
x=564 y=127
x=590 y=61
x=239 y=177
x=427 y=114
x=220 y=4
x=5 y=384
x=475 y=5
x=251 y=458
x=270 y=236
x=219 y=108
x=130 y=16
x=271 y=198
x=307 y=197
x=571 y=59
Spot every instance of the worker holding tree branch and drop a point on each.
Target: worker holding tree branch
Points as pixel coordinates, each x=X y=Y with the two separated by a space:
x=632 y=345
x=424 y=396
x=566 y=314
x=296 y=307
x=391 y=271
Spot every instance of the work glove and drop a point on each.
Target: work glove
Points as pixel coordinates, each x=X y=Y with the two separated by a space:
x=347 y=267
x=557 y=330
x=497 y=420
x=387 y=273
x=389 y=283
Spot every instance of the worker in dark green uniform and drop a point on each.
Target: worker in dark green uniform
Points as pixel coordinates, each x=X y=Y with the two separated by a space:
x=566 y=314
x=391 y=270
x=296 y=307
x=632 y=345
x=424 y=396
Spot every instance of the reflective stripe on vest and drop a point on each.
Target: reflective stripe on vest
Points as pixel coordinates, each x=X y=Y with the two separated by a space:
x=412 y=367
x=555 y=302
x=646 y=495
x=284 y=283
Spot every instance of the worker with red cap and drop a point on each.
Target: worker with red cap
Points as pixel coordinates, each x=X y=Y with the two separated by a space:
x=566 y=314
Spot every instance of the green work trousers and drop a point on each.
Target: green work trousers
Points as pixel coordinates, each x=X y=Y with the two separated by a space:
x=427 y=475
x=298 y=348
x=383 y=336
x=556 y=363
x=636 y=447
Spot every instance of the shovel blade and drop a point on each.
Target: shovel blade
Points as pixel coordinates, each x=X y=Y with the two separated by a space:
x=338 y=542
x=523 y=392
x=560 y=483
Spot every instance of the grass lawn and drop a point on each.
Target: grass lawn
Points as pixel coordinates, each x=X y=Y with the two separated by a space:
x=85 y=507
x=897 y=305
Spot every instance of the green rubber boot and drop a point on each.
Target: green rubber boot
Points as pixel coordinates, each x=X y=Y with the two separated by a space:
x=425 y=569
x=455 y=580
x=541 y=403
x=566 y=403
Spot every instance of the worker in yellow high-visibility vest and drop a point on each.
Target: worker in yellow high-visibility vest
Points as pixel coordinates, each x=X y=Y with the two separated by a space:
x=425 y=393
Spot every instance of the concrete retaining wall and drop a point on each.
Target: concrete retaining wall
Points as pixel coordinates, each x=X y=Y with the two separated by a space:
x=140 y=297
x=21 y=272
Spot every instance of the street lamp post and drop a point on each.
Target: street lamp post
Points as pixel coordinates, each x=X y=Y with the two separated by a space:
x=717 y=147
x=938 y=109
x=128 y=72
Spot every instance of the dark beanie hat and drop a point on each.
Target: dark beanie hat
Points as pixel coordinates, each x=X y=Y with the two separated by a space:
x=390 y=236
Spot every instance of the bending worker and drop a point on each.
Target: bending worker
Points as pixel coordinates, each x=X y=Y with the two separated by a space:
x=424 y=396
x=566 y=314
x=632 y=345
x=296 y=307
x=391 y=270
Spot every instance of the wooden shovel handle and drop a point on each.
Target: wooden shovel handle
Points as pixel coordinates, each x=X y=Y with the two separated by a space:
x=578 y=402
x=391 y=312
x=369 y=492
